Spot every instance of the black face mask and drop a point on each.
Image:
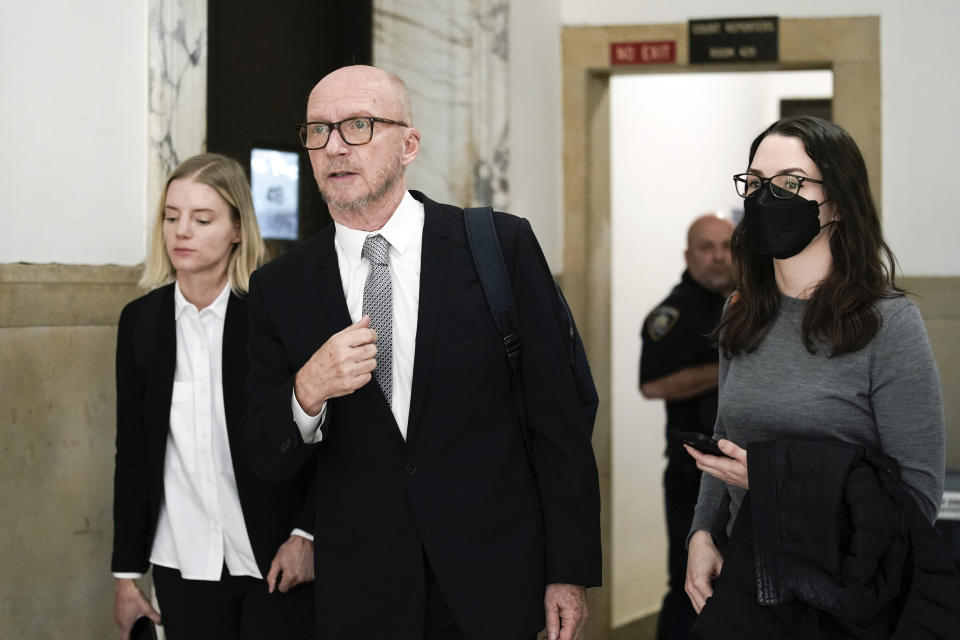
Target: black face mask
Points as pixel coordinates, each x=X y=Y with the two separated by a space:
x=780 y=228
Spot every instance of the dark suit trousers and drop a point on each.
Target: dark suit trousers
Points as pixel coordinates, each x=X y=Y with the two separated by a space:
x=235 y=607
x=681 y=484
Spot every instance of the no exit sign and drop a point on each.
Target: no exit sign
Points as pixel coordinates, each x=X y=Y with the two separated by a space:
x=661 y=52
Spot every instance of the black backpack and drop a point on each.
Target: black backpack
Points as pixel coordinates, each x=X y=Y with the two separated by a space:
x=488 y=258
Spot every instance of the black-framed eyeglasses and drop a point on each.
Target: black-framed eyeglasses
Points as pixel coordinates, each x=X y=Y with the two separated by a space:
x=782 y=185
x=354 y=131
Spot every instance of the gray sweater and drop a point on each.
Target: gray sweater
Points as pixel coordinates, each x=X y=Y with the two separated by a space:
x=885 y=396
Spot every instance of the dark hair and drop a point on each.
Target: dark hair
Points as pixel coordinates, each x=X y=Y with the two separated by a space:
x=840 y=314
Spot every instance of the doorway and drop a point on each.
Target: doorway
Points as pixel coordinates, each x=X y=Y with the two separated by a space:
x=849 y=47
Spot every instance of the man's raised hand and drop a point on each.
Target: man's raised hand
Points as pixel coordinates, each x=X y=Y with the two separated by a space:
x=342 y=365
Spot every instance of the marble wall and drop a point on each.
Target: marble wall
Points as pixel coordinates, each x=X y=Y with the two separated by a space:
x=177 y=86
x=454 y=58
x=452 y=55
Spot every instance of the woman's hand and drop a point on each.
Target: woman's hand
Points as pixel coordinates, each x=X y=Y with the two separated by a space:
x=732 y=470
x=703 y=566
x=129 y=603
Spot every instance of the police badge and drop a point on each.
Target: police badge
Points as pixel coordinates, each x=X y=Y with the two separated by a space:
x=660 y=321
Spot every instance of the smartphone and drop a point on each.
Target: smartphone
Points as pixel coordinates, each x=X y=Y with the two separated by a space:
x=143 y=629
x=700 y=442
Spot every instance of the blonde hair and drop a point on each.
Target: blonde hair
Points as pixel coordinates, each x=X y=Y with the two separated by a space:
x=226 y=176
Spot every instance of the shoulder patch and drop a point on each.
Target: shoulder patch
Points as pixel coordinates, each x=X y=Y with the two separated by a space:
x=660 y=321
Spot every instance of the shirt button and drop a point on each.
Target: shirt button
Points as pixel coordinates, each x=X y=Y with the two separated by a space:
x=410 y=468
x=412 y=537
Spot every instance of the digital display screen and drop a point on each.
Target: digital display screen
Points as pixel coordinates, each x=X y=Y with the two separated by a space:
x=275 y=184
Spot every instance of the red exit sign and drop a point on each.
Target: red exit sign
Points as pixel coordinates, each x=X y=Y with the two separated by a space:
x=662 y=52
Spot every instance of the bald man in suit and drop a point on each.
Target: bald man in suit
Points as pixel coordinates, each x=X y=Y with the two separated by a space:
x=433 y=522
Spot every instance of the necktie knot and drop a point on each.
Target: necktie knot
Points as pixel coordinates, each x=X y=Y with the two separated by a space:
x=375 y=249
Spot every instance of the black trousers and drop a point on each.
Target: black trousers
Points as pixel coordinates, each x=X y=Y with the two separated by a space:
x=235 y=607
x=681 y=485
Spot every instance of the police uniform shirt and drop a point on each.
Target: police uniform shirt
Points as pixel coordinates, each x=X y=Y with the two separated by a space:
x=676 y=335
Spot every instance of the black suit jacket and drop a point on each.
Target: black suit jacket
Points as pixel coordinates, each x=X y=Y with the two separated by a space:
x=146 y=359
x=460 y=489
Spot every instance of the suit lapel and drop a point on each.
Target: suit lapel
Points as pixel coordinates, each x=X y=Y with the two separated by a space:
x=433 y=271
x=323 y=295
x=234 y=362
x=163 y=365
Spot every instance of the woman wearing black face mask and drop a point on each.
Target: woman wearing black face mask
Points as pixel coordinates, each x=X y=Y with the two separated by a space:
x=817 y=343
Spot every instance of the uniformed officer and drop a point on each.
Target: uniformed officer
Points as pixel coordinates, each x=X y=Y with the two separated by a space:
x=678 y=364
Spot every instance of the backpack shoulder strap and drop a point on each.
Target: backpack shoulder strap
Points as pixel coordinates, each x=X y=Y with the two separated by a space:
x=488 y=258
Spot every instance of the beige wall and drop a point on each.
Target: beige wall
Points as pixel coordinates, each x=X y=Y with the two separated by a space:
x=57 y=340
x=939 y=302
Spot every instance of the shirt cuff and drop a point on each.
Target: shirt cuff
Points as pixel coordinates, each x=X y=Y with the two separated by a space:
x=127 y=575
x=302 y=534
x=308 y=425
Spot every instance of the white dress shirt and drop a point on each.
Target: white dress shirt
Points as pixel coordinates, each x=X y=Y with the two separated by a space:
x=201 y=524
x=404 y=232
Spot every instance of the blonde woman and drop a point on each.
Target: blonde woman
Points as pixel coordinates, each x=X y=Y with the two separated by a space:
x=230 y=554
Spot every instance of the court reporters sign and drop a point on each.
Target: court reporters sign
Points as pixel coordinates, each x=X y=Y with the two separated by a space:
x=734 y=40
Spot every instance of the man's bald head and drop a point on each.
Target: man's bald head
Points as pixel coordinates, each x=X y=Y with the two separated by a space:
x=385 y=90
x=705 y=225
x=708 y=252
x=403 y=97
